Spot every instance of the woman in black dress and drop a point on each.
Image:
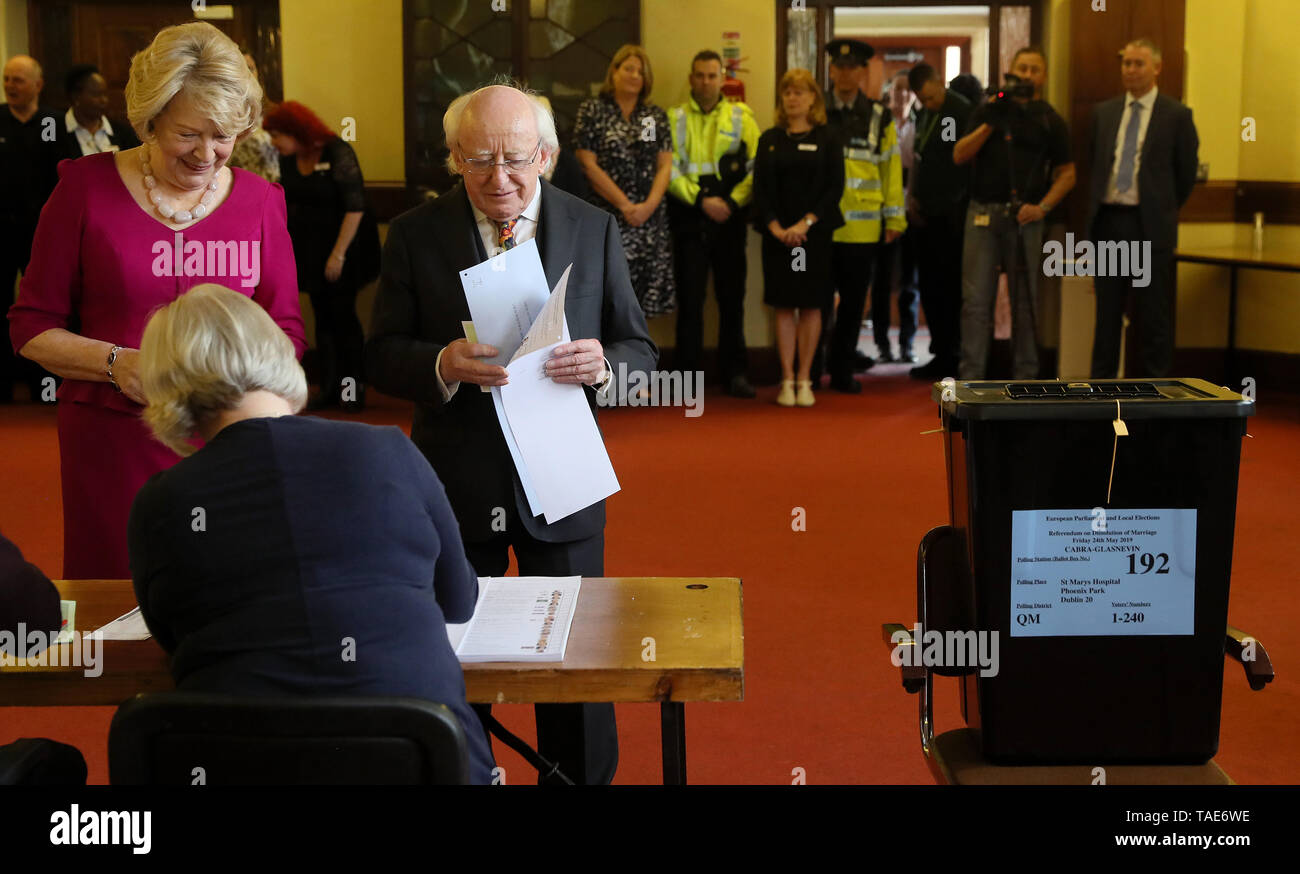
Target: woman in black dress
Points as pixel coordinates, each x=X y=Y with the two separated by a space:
x=798 y=181
x=626 y=149
x=325 y=195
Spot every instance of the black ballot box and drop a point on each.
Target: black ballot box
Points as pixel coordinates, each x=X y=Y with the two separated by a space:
x=1099 y=562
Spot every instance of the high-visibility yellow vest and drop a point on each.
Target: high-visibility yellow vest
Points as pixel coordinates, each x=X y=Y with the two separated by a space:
x=873 y=177
x=711 y=144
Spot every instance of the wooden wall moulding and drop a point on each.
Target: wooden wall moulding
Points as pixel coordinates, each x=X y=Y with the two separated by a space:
x=1238 y=200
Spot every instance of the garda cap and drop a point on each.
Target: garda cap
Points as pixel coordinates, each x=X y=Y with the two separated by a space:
x=849 y=52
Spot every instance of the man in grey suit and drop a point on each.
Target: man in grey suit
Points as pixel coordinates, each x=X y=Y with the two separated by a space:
x=1143 y=169
x=500 y=142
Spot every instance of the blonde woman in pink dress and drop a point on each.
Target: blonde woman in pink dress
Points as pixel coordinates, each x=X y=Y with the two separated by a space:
x=125 y=233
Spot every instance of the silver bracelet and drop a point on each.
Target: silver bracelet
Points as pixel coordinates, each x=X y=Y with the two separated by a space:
x=112 y=357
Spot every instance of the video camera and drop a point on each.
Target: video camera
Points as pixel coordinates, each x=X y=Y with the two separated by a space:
x=1002 y=105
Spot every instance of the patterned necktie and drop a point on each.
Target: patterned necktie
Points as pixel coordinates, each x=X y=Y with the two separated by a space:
x=506 y=234
x=1128 y=154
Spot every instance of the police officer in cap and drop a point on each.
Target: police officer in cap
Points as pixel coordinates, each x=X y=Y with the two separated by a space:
x=872 y=204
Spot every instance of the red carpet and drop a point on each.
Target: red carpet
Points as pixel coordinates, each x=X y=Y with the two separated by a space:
x=713 y=496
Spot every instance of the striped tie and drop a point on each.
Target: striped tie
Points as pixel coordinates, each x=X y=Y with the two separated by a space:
x=506 y=234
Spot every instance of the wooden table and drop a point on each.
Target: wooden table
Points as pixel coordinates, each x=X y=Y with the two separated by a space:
x=1233 y=257
x=696 y=627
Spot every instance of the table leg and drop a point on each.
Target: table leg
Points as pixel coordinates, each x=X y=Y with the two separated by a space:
x=672 y=723
x=1234 y=381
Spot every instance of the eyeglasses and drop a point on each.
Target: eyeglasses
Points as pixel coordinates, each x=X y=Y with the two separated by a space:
x=483 y=166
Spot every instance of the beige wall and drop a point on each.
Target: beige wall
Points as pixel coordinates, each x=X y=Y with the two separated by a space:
x=1241 y=62
x=343 y=58
x=13 y=28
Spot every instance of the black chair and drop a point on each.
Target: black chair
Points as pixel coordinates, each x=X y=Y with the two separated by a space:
x=181 y=738
x=38 y=761
x=955 y=757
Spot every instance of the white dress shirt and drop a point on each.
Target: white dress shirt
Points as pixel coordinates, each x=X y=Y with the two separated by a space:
x=1130 y=197
x=91 y=144
x=489 y=231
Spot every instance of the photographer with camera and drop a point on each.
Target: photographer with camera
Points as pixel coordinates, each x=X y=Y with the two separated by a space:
x=1022 y=170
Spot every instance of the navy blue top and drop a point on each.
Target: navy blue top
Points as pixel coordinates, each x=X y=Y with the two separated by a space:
x=296 y=555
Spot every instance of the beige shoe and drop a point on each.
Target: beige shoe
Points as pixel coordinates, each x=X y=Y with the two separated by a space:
x=785 y=397
x=805 y=396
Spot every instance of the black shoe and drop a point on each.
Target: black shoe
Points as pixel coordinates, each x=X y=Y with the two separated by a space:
x=931 y=372
x=739 y=387
x=906 y=354
x=886 y=355
x=862 y=363
x=846 y=384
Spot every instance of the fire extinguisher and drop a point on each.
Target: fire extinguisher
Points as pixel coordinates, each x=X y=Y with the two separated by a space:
x=732 y=87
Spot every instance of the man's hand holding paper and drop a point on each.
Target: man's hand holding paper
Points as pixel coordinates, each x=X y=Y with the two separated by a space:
x=580 y=362
x=460 y=363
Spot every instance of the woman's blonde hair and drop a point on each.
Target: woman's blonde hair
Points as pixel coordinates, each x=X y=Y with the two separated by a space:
x=625 y=52
x=203 y=352
x=204 y=63
x=800 y=78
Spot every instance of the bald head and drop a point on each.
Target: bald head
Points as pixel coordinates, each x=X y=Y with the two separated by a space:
x=500 y=141
x=22 y=83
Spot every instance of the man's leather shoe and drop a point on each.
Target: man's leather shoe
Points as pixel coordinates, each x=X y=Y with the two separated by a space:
x=886 y=355
x=862 y=363
x=907 y=355
x=846 y=384
x=929 y=372
x=739 y=387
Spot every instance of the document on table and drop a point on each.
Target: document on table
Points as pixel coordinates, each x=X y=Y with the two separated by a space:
x=518 y=619
x=128 y=626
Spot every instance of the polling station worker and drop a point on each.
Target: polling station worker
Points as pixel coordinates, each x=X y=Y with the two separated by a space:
x=325 y=559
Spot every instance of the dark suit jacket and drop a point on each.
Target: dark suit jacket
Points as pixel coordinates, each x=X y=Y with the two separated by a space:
x=1167 y=170
x=329 y=563
x=419 y=310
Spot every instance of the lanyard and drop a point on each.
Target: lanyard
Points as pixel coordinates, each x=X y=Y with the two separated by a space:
x=925 y=138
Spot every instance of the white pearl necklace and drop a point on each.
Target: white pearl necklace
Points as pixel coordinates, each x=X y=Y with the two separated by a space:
x=165 y=209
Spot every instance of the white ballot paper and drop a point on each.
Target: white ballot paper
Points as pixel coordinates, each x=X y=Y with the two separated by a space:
x=518 y=619
x=548 y=426
x=128 y=626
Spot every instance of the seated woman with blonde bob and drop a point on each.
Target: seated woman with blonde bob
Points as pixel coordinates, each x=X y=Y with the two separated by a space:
x=289 y=555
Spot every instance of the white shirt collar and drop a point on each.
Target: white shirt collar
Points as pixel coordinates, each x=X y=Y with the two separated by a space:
x=70 y=121
x=530 y=212
x=1147 y=100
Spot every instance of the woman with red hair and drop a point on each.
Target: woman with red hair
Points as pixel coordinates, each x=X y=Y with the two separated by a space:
x=326 y=198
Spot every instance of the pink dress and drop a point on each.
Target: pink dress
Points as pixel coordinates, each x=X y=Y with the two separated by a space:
x=100 y=259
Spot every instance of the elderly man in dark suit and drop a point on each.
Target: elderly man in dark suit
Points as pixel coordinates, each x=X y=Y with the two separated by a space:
x=1143 y=169
x=500 y=142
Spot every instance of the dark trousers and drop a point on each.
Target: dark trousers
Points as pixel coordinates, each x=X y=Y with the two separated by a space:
x=699 y=246
x=15 y=251
x=903 y=253
x=339 y=339
x=581 y=738
x=852 y=265
x=939 y=244
x=1153 y=304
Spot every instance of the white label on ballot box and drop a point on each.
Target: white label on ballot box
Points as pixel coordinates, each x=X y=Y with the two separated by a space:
x=1134 y=576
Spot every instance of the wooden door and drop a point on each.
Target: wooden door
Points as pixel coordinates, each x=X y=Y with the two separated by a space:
x=108 y=33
